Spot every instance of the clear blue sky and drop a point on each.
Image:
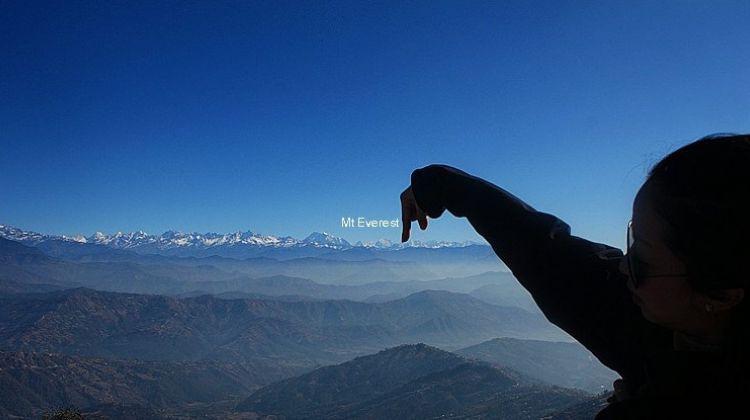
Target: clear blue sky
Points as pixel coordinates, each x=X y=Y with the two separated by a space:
x=282 y=117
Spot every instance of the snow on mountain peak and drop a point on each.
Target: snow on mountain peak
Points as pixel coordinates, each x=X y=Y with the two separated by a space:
x=327 y=240
x=15 y=234
x=175 y=239
x=76 y=238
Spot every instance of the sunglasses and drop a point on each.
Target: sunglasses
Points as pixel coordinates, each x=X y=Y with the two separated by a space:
x=635 y=269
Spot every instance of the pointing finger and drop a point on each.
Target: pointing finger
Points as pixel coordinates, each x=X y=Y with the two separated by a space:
x=422 y=218
x=405 y=220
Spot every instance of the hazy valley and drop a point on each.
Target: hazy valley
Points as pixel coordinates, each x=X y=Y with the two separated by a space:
x=124 y=330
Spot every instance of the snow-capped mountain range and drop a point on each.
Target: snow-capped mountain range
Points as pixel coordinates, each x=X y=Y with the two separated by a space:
x=176 y=240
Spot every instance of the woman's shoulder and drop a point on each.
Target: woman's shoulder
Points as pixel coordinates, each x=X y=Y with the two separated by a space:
x=664 y=408
x=681 y=384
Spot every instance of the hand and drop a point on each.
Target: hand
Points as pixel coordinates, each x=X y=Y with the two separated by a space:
x=410 y=212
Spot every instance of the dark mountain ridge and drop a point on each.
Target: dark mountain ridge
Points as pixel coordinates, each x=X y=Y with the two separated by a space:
x=408 y=381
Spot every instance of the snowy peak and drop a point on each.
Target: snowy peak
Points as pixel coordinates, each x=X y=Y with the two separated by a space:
x=18 y=235
x=380 y=243
x=173 y=239
x=77 y=238
x=119 y=240
x=326 y=240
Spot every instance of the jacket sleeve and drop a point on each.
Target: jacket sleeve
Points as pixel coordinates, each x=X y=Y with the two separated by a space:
x=575 y=282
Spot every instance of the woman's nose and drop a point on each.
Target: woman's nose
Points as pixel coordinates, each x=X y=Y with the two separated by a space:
x=623 y=266
x=625 y=270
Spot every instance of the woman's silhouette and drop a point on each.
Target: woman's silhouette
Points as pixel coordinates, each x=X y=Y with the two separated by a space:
x=671 y=315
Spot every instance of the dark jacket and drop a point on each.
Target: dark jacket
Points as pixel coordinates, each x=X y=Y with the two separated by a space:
x=578 y=286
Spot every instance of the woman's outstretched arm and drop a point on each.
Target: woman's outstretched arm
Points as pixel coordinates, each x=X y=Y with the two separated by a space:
x=575 y=282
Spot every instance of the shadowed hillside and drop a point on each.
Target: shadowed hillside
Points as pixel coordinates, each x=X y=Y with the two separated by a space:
x=568 y=365
x=410 y=381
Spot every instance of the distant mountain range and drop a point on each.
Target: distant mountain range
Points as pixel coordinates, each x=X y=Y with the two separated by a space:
x=278 y=333
x=172 y=240
x=187 y=354
x=69 y=264
x=197 y=333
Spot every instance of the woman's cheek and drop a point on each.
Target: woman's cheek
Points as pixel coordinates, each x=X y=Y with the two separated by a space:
x=664 y=303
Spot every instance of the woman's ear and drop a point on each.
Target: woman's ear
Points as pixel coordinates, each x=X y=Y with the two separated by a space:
x=721 y=300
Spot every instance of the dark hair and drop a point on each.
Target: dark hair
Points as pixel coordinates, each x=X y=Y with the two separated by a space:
x=703 y=193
